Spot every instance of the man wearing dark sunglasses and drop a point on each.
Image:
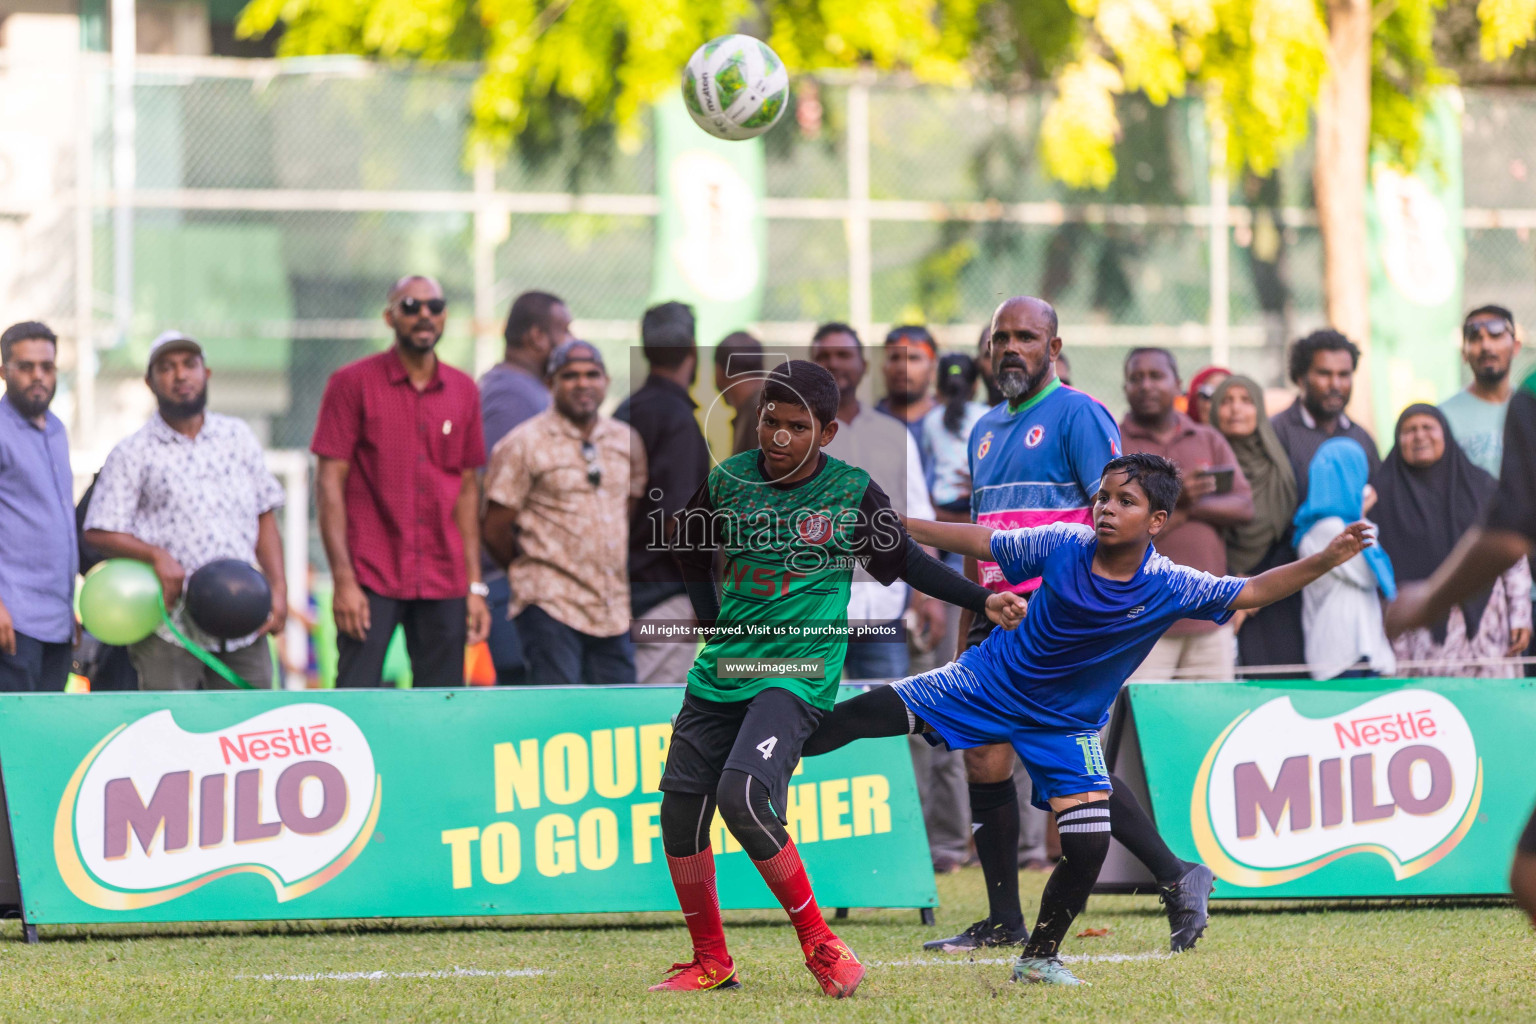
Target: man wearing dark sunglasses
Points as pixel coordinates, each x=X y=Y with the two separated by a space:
x=560 y=489
x=1489 y=345
x=399 y=440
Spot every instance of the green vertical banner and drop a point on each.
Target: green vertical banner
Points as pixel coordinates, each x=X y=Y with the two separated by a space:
x=1418 y=252
x=711 y=236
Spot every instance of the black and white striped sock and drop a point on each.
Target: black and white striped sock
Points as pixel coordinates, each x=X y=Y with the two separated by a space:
x=1084 y=842
x=1092 y=817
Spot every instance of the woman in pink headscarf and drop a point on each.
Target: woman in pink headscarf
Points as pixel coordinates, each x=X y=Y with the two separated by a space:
x=1201 y=390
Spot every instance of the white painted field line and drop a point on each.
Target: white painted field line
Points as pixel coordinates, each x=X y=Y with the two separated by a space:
x=1115 y=958
x=470 y=972
x=1096 y=958
x=457 y=972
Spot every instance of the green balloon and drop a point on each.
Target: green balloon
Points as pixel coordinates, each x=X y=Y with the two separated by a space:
x=120 y=601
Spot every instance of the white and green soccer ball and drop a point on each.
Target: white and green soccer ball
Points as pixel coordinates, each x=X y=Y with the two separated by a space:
x=735 y=87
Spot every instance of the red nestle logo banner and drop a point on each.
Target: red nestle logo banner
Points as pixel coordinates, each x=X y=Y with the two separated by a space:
x=157 y=811
x=1282 y=793
x=274 y=744
x=1375 y=729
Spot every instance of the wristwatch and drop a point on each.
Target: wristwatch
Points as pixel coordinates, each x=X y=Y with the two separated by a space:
x=479 y=589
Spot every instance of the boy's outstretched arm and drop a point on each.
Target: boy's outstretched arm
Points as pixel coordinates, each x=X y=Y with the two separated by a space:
x=961 y=538
x=894 y=554
x=1285 y=580
x=930 y=576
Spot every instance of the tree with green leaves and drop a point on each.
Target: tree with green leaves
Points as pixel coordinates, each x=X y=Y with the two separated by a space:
x=1362 y=70
x=546 y=63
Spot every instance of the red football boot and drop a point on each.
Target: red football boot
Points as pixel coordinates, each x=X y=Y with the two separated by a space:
x=836 y=969
x=701 y=974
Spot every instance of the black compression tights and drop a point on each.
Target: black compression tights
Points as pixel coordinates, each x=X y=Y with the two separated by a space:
x=877 y=712
x=744 y=804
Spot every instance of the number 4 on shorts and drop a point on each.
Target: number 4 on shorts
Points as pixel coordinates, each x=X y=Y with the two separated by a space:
x=767 y=746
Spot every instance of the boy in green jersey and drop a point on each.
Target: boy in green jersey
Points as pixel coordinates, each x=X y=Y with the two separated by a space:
x=792 y=524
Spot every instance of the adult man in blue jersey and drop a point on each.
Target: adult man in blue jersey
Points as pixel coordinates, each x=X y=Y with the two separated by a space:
x=1036 y=459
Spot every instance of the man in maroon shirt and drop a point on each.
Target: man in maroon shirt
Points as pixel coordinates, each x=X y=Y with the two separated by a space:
x=399 y=439
x=1208 y=503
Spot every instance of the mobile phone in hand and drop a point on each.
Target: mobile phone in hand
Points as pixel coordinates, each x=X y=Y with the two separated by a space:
x=1222 y=476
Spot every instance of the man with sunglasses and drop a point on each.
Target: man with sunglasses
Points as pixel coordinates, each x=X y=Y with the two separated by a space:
x=399 y=439
x=37 y=580
x=1476 y=413
x=560 y=489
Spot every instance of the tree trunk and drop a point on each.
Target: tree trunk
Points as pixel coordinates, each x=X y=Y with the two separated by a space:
x=1343 y=151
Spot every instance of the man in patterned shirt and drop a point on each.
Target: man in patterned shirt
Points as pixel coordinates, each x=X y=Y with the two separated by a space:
x=559 y=491
x=1037 y=459
x=188 y=488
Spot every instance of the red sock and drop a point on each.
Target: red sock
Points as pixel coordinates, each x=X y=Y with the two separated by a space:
x=694 y=879
x=786 y=876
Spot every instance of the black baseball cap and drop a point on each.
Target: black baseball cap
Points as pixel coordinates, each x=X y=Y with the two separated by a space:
x=573 y=351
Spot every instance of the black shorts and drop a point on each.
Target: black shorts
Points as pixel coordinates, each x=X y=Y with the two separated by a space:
x=1527 y=843
x=761 y=737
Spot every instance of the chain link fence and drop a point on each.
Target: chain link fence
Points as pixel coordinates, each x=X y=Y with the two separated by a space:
x=270 y=205
x=275 y=202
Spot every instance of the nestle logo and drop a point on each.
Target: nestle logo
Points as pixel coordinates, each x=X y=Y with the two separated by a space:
x=1375 y=729
x=289 y=794
x=1281 y=794
x=275 y=744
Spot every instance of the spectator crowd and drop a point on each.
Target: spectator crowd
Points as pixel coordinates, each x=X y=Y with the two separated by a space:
x=517 y=512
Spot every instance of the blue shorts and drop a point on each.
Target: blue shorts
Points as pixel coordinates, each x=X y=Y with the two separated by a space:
x=954 y=701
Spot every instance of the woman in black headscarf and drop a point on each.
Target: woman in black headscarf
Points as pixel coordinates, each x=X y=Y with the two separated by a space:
x=1429 y=494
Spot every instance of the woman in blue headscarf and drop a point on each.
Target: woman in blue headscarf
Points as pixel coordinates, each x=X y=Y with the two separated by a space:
x=1341 y=612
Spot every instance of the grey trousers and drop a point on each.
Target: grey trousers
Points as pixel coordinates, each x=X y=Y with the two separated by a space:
x=666 y=664
x=163 y=665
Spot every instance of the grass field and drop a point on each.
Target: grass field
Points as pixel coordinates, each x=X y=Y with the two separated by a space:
x=1257 y=963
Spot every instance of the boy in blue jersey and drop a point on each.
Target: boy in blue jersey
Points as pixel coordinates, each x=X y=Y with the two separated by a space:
x=1036 y=459
x=1046 y=688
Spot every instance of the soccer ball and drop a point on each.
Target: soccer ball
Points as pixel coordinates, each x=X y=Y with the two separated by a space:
x=735 y=87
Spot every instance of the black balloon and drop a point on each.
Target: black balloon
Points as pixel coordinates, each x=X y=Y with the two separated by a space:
x=228 y=599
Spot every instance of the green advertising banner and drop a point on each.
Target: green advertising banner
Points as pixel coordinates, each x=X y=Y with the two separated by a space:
x=1417 y=256
x=427 y=803
x=1347 y=788
x=711 y=236
x=711 y=242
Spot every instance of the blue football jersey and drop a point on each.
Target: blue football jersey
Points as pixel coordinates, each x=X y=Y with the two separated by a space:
x=1038 y=463
x=1084 y=634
